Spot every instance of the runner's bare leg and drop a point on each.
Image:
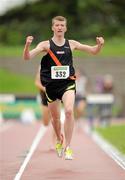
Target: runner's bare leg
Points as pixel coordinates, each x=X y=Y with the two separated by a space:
x=68 y=100
x=54 y=108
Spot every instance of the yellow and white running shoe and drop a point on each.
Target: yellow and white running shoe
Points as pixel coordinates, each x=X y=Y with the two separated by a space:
x=68 y=154
x=59 y=147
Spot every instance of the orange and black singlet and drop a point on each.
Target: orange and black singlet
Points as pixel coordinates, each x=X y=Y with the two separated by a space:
x=64 y=55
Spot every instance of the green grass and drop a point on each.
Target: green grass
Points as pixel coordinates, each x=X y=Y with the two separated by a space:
x=13 y=83
x=11 y=51
x=114 y=47
x=115 y=134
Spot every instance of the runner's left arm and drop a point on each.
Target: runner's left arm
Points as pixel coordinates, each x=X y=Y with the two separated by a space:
x=90 y=49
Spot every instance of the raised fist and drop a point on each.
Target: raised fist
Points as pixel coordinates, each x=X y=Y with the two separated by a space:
x=29 y=39
x=100 y=40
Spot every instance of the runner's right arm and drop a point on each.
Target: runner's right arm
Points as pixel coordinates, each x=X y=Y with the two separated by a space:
x=29 y=54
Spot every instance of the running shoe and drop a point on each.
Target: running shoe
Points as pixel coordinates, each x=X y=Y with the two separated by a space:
x=59 y=147
x=68 y=154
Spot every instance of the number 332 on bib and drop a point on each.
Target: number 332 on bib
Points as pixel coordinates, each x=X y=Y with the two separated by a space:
x=59 y=72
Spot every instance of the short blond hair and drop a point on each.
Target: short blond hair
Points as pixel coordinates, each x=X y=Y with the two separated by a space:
x=59 y=18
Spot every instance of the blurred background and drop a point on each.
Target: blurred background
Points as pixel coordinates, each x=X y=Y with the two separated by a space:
x=105 y=73
x=86 y=20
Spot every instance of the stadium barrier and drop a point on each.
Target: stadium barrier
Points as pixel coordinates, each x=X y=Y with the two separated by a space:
x=34 y=102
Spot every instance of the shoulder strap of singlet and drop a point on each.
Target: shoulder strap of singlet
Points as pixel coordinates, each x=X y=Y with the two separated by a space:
x=54 y=58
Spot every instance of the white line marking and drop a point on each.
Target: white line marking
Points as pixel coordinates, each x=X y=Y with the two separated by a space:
x=109 y=149
x=118 y=157
x=34 y=145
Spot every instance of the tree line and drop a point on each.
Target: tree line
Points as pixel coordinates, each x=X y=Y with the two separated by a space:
x=86 y=19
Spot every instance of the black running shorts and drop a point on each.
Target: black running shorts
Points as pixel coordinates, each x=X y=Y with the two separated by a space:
x=55 y=90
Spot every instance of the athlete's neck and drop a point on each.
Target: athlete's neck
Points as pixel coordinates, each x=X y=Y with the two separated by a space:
x=59 y=41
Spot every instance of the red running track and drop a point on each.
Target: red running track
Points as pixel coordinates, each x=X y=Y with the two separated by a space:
x=90 y=162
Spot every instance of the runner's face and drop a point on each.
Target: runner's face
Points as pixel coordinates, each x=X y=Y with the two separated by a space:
x=59 y=28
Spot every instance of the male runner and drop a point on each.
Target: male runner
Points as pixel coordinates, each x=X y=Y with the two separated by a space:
x=58 y=77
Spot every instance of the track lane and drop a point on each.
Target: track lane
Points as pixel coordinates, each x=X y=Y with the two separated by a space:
x=90 y=162
x=14 y=145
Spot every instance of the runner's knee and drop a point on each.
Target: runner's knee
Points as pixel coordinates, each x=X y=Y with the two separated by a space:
x=68 y=113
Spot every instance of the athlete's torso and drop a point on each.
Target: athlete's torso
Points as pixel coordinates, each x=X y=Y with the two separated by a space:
x=64 y=55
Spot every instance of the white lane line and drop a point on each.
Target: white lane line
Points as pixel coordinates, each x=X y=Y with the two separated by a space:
x=118 y=157
x=109 y=149
x=34 y=145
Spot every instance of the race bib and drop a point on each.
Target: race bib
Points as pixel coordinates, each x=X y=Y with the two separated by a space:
x=59 y=72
